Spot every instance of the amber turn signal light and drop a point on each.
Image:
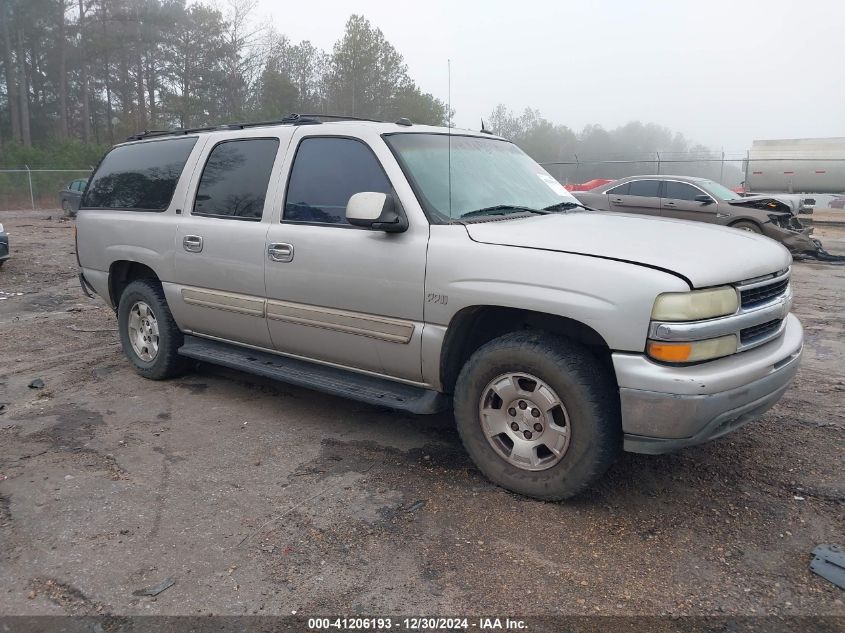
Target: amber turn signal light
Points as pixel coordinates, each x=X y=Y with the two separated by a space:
x=670 y=352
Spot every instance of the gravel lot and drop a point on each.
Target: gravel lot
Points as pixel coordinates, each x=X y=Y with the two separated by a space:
x=261 y=498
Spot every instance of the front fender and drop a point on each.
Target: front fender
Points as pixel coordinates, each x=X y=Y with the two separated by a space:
x=613 y=298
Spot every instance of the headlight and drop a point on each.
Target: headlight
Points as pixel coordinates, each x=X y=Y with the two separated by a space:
x=1 y=228
x=694 y=351
x=695 y=305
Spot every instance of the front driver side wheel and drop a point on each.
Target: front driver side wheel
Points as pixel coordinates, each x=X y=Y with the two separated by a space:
x=538 y=414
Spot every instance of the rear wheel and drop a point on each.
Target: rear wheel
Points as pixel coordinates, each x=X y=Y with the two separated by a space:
x=148 y=333
x=743 y=225
x=538 y=414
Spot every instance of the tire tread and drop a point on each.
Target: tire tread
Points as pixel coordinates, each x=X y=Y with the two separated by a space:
x=587 y=374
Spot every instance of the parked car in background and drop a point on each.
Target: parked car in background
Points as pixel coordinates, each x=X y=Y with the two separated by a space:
x=4 y=245
x=702 y=200
x=837 y=203
x=71 y=195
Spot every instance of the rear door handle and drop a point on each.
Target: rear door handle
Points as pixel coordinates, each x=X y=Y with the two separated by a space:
x=279 y=252
x=192 y=243
x=616 y=200
x=668 y=204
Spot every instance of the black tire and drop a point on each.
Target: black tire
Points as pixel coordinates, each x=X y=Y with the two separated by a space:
x=167 y=363
x=583 y=385
x=746 y=225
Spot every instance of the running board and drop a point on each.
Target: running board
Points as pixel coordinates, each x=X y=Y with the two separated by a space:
x=338 y=382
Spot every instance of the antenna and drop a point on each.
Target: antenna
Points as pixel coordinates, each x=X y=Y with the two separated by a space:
x=449 y=128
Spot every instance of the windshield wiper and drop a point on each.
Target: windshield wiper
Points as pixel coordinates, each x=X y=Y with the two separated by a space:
x=501 y=209
x=566 y=205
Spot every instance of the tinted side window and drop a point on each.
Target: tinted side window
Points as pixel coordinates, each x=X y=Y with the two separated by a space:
x=680 y=191
x=326 y=173
x=140 y=176
x=621 y=190
x=645 y=188
x=234 y=181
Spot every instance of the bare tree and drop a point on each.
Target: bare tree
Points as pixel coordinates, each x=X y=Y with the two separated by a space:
x=10 y=70
x=83 y=76
x=62 y=79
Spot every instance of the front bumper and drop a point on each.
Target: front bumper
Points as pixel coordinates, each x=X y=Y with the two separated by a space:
x=796 y=240
x=665 y=408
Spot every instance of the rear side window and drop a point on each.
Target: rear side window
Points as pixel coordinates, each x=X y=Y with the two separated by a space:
x=326 y=173
x=644 y=188
x=139 y=177
x=621 y=190
x=234 y=182
x=680 y=191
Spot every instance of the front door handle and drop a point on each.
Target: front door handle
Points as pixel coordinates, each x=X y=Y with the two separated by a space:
x=279 y=252
x=192 y=243
x=668 y=204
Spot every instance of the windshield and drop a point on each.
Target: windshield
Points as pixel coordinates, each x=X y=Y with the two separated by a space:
x=720 y=191
x=486 y=173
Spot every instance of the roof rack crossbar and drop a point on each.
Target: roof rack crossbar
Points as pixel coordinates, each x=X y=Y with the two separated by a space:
x=342 y=117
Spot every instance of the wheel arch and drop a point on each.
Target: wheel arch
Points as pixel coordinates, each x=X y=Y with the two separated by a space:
x=122 y=273
x=747 y=220
x=473 y=326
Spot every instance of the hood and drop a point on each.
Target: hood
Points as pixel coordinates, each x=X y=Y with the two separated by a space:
x=704 y=254
x=770 y=204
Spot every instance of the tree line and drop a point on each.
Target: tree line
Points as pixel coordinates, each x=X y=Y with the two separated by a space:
x=76 y=76
x=96 y=71
x=635 y=146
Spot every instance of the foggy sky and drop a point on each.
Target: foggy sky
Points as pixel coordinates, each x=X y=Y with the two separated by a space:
x=721 y=72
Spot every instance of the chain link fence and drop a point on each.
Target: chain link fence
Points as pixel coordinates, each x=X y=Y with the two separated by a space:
x=771 y=173
x=35 y=188
x=727 y=171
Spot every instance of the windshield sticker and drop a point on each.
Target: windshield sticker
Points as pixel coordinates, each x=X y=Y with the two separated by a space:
x=553 y=184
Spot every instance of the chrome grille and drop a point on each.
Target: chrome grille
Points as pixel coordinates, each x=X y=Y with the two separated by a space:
x=755 y=333
x=758 y=295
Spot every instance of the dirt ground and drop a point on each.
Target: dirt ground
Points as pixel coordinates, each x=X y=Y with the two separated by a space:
x=256 y=497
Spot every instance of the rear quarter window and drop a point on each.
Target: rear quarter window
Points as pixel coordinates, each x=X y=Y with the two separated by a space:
x=139 y=176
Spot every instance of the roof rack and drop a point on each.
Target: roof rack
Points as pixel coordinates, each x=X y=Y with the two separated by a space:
x=291 y=119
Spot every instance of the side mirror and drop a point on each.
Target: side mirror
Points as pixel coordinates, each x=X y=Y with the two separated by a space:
x=704 y=199
x=377 y=211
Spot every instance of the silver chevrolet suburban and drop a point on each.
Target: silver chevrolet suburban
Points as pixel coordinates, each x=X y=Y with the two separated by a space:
x=423 y=268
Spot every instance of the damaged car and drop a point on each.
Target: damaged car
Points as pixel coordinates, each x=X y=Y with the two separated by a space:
x=703 y=200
